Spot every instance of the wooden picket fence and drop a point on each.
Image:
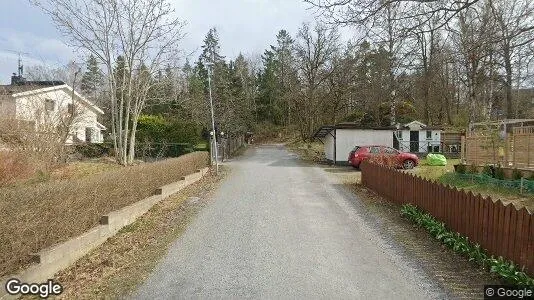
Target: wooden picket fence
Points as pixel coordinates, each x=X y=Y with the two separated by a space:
x=516 y=150
x=503 y=230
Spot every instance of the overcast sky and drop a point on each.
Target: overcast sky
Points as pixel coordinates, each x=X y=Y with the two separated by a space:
x=247 y=26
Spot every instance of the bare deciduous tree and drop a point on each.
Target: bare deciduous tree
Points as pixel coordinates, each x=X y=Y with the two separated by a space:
x=143 y=32
x=314 y=50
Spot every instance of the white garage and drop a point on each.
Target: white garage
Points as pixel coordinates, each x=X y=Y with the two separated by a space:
x=340 y=139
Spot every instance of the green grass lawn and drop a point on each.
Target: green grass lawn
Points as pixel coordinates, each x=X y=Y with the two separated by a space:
x=434 y=172
x=446 y=175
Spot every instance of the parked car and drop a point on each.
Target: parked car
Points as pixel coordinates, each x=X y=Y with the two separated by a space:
x=403 y=160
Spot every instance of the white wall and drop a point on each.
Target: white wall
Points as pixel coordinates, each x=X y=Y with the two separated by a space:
x=328 y=141
x=32 y=108
x=346 y=139
x=404 y=143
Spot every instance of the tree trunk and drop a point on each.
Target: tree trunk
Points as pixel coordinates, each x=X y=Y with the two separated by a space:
x=131 y=149
x=509 y=81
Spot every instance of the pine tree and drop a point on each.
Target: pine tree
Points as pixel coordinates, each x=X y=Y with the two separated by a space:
x=211 y=48
x=92 y=79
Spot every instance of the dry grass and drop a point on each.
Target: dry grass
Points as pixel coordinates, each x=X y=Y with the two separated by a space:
x=434 y=172
x=119 y=265
x=33 y=217
x=81 y=169
x=14 y=166
x=308 y=151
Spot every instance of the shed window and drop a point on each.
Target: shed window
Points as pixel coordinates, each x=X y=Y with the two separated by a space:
x=50 y=105
x=399 y=135
x=428 y=134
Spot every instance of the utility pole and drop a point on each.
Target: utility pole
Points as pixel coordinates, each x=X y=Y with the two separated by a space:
x=210 y=65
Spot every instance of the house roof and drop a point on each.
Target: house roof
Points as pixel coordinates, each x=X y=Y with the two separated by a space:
x=326 y=129
x=28 y=86
x=33 y=87
x=422 y=125
x=100 y=126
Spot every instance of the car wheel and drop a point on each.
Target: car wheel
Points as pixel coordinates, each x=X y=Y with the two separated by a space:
x=408 y=164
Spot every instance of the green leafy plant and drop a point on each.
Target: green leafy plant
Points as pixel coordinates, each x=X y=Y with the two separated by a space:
x=488 y=170
x=499 y=173
x=460 y=244
x=472 y=169
x=461 y=169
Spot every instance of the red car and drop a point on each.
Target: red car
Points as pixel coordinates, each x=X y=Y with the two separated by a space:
x=404 y=160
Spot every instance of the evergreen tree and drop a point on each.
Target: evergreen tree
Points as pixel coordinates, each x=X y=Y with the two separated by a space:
x=211 y=48
x=92 y=79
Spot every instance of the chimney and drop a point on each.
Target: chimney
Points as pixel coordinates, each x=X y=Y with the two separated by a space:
x=17 y=79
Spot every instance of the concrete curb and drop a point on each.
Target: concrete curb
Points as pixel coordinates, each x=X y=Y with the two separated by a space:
x=51 y=260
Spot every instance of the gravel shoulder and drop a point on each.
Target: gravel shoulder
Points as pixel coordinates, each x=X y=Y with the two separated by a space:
x=280 y=228
x=454 y=274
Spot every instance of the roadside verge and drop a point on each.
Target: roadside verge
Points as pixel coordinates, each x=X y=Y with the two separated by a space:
x=56 y=258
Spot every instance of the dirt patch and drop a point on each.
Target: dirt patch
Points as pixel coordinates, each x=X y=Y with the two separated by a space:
x=459 y=277
x=310 y=152
x=115 y=268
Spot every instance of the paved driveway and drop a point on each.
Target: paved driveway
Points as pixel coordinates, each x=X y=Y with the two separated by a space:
x=278 y=228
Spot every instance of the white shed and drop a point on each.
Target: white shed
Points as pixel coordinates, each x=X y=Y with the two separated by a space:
x=417 y=137
x=340 y=139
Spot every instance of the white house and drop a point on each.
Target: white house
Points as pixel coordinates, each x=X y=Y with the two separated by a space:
x=413 y=137
x=417 y=137
x=340 y=139
x=47 y=104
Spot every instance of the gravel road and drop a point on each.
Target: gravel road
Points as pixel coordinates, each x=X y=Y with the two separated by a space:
x=279 y=228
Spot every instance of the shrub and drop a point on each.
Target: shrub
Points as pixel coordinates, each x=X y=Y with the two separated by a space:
x=157 y=129
x=499 y=173
x=516 y=174
x=33 y=217
x=94 y=150
x=488 y=170
x=461 y=169
x=14 y=166
x=151 y=128
x=472 y=169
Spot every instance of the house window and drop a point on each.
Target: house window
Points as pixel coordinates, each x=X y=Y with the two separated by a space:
x=89 y=134
x=50 y=105
x=399 y=135
x=429 y=134
x=70 y=108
